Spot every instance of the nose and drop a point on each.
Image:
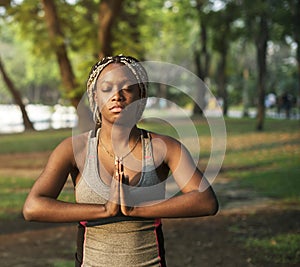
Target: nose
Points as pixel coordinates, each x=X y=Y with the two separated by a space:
x=118 y=96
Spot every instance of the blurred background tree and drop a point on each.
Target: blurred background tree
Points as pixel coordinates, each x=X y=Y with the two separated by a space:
x=243 y=50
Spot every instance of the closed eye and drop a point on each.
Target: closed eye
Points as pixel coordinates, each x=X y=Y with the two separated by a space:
x=128 y=89
x=106 y=88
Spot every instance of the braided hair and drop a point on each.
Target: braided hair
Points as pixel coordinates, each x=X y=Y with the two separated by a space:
x=133 y=65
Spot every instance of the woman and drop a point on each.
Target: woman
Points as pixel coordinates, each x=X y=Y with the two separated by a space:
x=119 y=172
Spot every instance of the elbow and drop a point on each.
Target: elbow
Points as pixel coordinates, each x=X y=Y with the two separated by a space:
x=213 y=207
x=29 y=211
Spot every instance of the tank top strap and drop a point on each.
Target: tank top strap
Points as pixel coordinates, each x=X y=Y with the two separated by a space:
x=147 y=152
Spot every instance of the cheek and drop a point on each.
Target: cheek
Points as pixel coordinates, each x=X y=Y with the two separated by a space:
x=101 y=99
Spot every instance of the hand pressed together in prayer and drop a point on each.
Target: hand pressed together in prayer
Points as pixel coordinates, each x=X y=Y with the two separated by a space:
x=118 y=192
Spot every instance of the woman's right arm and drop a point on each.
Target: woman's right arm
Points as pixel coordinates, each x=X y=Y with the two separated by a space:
x=42 y=203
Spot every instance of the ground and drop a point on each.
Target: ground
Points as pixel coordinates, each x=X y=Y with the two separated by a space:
x=206 y=242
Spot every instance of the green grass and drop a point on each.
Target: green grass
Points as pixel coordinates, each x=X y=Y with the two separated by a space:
x=271 y=172
x=283 y=249
x=63 y=263
x=268 y=161
x=238 y=126
x=174 y=127
x=32 y=141
x=280 y=182
x=13 y=192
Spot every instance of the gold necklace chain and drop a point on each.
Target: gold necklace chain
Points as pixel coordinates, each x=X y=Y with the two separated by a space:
x=113 y=155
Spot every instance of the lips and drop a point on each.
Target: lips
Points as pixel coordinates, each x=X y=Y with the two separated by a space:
x=116 y=109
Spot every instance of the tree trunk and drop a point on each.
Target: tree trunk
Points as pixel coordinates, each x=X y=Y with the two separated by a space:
x=246 y=100
x=5 y=3
x=298 y=60
x=17 y=98
x=261 y=46
x=297 y=39
x=68 y=78
x=57 y=40
x=200 y=93
x=202 y=63
x=223 y=81
x=108 y=12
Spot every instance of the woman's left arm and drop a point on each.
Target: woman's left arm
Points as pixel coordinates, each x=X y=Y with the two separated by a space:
x=197 y=198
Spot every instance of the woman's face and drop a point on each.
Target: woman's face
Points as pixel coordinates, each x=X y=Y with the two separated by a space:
x=117 y=94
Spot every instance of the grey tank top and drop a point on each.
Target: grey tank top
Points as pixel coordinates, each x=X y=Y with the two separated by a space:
x=121 y=241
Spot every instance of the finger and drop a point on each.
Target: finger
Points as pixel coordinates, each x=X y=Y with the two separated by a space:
x=121 y=170
x=116 y=164
x=116 y=175
x=117 y=170
x=121 y=166
x=123 y=191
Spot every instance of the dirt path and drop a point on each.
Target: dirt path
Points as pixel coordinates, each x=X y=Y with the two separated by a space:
x=206 y=242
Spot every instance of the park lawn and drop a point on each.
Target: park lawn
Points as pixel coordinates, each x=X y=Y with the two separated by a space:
x=268 y=161
x=34 y=141
x=280 y=248
x=17 y=181
x=13 y=192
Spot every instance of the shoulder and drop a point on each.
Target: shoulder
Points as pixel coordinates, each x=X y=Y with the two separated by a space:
x=78 y=142
x=169 y=141
x=173 y=153
x=166 y=146
x=71 y=149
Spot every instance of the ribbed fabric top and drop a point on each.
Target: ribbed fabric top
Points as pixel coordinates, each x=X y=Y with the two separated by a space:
x=121 y=241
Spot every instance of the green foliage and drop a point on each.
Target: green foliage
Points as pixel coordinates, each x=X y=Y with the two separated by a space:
x=150 y=30
x=12 y=64
x=36 y=77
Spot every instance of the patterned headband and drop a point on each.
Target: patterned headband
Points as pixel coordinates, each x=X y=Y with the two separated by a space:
x=134 y=66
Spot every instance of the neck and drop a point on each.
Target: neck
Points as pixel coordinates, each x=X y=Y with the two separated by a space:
x=122 y=133
x=118 y=140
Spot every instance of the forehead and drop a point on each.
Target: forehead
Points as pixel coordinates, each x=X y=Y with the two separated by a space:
x=115 y=73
